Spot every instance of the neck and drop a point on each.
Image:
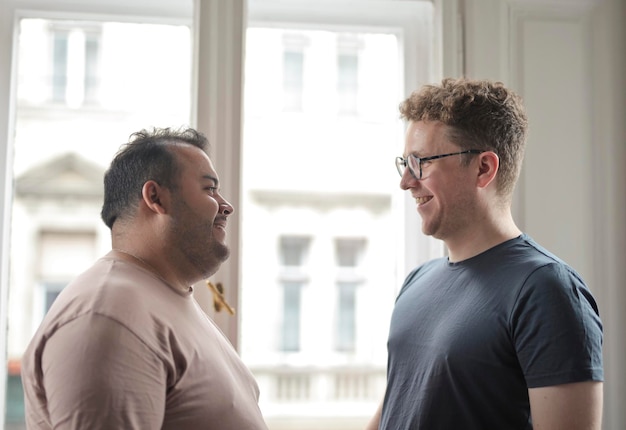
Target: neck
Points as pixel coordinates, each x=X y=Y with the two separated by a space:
x=139 y=261
x=480 y=238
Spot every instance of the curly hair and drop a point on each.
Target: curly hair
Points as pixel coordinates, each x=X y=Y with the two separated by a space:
x=479 y=114
x=147 y=156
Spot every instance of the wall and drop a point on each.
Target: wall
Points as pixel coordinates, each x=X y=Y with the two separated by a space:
x=608 y=45
x=567 y=59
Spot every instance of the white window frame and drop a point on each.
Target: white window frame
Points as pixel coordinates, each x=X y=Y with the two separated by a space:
x=218 y=70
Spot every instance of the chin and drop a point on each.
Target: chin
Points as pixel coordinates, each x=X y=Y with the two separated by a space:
x=222 y=252
x=208 y=273
x=426 y=230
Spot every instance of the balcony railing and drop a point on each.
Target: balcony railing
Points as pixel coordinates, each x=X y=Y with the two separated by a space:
x=310 y=398
x=288 y=385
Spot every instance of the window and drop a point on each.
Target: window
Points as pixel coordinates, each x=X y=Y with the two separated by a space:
x=321 y=175
x=66 y=132
x=293 y=277
x=51 y=292
x=92 y=66
x=348 y=74
x=347 y=85
x=59 y=66
x=15 y=399
x=75 y=62
x=296 y=180
x=349 y=255
x=346 y=316
x=294 y=46
x=62 y=255
x=292 y=306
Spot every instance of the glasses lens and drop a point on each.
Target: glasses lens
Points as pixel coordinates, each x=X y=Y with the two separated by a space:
x=400 y=165
x=414 y=165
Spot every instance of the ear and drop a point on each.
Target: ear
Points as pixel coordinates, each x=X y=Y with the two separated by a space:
x=488 y=166
x=155 y=197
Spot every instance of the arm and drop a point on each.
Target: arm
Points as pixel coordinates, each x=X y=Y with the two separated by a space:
x=576 y=406
x=99 y=375
x=375 y=421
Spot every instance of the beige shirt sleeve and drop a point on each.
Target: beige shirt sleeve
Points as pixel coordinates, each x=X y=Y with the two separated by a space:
x=99 y=375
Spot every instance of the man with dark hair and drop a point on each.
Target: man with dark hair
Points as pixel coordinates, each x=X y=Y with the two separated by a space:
x=125 y=345
x=500 y=334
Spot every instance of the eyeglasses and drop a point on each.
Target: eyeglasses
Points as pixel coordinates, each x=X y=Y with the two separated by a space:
x=415 y=163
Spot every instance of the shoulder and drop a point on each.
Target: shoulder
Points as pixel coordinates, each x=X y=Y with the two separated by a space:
x=123 y=294
x=544 y=268
x=437 y=266
x=538 y=255
x=522 y=259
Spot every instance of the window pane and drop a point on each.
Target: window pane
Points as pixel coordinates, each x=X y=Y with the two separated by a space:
x=59 y=68
x=293 y=276
x=291 y=316
x=346 y=316
x=92 y=69
x=347 y=82
x=293 y=64
x=318 y=341
x=82 y=88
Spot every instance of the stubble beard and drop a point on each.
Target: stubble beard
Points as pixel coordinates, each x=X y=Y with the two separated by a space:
x=450 y=223
x=199 y=246
x=208 y=258
x=220 y=250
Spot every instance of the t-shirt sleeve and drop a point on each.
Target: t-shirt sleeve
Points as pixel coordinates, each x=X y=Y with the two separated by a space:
x=99 y=375
x=556 y=328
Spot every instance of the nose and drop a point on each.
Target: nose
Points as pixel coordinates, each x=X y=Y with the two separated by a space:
x=407 y=180
x=226 y=208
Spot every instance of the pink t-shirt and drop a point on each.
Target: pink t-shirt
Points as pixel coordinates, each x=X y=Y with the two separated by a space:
x=120 y=349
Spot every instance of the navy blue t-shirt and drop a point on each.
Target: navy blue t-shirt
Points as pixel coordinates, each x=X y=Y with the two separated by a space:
x=468 y=339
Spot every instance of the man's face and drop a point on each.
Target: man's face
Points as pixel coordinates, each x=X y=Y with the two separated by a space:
x=199 y=212
x=445 y=195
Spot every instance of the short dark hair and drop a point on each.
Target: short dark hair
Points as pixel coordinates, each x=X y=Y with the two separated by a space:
x=146 y=156
x=480 y=114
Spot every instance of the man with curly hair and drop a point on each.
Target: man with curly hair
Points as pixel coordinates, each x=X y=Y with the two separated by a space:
x=500 y=334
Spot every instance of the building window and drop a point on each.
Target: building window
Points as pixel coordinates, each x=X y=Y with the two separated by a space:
x=51 y=291
x=292 y=309
x=75 y=63
x=293 y=255
x=293 y=80
x=14 y=418
x=346 y=316
x=62 y=255
x=92 y=66
x=293 y=71
x=59 y=65
x=349 y=256
x=348 y=48
x=65 y=66
x=347 y=83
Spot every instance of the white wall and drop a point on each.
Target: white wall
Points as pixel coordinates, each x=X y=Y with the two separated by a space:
x=608 y=57
x=567 y=60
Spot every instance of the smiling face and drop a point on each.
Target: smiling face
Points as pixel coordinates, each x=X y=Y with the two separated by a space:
x=445 y=195
x=199 y=212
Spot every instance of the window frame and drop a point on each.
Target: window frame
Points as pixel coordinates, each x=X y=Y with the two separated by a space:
x=219 y=25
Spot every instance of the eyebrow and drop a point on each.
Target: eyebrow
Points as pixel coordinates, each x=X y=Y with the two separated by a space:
x=414 y=154
x=211 y=178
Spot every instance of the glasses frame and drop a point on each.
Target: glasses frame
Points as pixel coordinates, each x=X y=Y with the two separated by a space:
x=403 y=163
